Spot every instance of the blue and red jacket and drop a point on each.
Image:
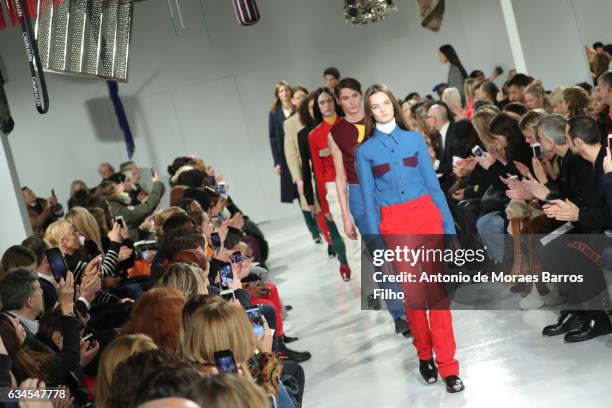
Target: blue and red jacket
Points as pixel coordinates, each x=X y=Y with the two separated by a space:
x=394 y=169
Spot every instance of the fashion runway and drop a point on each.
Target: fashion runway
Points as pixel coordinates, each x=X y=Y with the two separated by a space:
x=359 y=361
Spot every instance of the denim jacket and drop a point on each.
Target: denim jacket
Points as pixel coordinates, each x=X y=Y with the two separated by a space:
x=396 y=168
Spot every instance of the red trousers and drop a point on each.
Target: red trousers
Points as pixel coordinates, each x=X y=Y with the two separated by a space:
x=414 y=224
x=272 y=299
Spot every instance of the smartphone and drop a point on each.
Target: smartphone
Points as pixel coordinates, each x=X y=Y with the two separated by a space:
x=477 y=151
x=610 y=141
x=215 y=240
x=221 y=189
x=54 y=196
x=456 y=159
x=254 y=314
x=228 y=295
x=152 y=172
x=91 y=337
x=56 y=262
x=212 y=180
x=537 y=151
x=225 y=274
x=119 y=220
x=225 y=362
x=236 y=257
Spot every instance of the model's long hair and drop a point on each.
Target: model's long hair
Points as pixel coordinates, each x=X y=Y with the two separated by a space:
x=370 y=123
x=318 y=116
x=452 y=57
x=277 y=102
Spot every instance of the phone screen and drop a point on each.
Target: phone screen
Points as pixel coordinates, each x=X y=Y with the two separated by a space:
x=225 y=274
x=537 y=152
x=119 y=220
x=610 y=142
x=478 y=152
x=56 y=263
x=225 y=362
x=254 y=314
x=216 y=241
x=221 y=189
x=236 y=257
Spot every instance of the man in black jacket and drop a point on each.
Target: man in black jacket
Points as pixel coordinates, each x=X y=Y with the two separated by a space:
x=571 y=255
x=456 y=139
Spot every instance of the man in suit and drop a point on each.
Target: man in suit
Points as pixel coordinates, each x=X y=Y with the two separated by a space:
x=455 y=139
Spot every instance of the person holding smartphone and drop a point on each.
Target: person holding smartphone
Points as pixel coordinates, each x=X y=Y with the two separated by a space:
x=113 y=190
x=41 y=212
x=405 y=205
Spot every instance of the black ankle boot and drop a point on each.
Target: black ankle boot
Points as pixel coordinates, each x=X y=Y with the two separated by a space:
x=428 y=370
x=330 y=252
x=454 y=384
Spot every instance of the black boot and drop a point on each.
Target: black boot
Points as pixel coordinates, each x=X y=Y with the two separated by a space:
x=286 y=339
x=401 y=326
x=330 y=252
x=454 y=384
x=596 y=324
x=428 y=370
x=285 y=353
x=568 y=321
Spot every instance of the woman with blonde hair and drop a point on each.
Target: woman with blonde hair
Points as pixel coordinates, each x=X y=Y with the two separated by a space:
x=210 y=324
x=91 y=240
x=535 y=98
x=187 y=278
x=63 y=235
x=116 y=352
x=556 y=100
x=529 y=125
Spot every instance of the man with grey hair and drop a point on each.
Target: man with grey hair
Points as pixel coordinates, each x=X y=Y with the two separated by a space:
x=22 y=297
x=574 y=171
x=105 y=170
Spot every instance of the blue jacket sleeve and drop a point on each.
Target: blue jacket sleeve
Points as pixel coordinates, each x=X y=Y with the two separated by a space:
x=366 y=181
x=433 y=186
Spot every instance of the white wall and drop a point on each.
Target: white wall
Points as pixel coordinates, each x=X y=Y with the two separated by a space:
x=593 y=18
x=209 y=96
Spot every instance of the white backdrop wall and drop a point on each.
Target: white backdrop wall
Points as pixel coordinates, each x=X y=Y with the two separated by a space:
x=207 y=90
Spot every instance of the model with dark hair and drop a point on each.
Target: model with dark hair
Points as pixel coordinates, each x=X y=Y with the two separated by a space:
x=404 y=203
x=343 y=140
x=456 y=73
x=326 y=115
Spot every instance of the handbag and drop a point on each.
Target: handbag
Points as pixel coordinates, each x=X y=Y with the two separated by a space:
x=247 y=12
x=494 y=199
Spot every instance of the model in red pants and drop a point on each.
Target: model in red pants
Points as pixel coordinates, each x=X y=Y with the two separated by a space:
x=431 y=330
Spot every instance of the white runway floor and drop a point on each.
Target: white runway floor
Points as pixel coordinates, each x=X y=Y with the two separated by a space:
x=359 y=361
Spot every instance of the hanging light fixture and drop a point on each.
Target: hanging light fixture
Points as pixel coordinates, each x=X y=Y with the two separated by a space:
x=359 y=12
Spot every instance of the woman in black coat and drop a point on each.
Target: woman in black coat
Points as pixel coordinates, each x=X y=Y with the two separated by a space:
x=281 y=110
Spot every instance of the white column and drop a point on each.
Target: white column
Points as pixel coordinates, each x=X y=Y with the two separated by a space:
x=14 y=222
x=546 y=41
